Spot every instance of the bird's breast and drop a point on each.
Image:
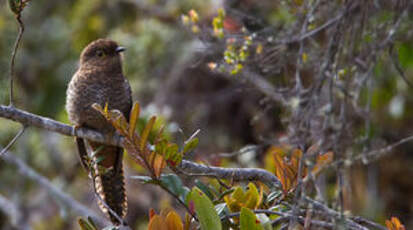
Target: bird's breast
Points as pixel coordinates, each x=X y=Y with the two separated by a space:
x=84 y=91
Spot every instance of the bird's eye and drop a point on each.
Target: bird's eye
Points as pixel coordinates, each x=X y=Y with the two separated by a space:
x=100 y=53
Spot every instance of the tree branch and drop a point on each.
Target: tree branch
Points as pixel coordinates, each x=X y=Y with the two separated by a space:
x=236 y=174
x=66 y=199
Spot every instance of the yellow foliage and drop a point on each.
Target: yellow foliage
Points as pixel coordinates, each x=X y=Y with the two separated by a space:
x=168 y=220
x=250 y=199
x=394 y=224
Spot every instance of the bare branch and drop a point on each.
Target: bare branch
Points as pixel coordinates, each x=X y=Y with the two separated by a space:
x=235 y=174
x=10 y=144
x=30 y=119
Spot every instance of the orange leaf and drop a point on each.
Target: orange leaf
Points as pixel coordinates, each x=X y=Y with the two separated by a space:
x=157 y=163
x=157 y=223
x=187 y=221
x=173 y=221
x=145 y=132
x=322 y=161
x=134 y=115
x=394 y=224
x=152 y=213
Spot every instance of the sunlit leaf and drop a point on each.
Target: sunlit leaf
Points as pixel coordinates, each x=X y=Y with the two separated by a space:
x=156 y=223
x=193 y=15
x=251 y=197
x=145 y=133
x=158 y=164
x=187 y=221
x=171 y=150
x=394 y=224
x=190 y=145
x=322 y=161
x=152 y=213
x=85 y=225
x=105 y=110
x=304 y=57
x=173 y=221
x=161 y=146
x=134 y=115
x=259 y=48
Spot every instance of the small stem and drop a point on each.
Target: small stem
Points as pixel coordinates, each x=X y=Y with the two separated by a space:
x=13 y=56
x=158 y=182
x=13 y=141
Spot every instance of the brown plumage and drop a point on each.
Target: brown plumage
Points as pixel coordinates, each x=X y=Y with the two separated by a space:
x=99 y=79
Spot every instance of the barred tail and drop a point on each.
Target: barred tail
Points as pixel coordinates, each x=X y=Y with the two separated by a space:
x=110 y=181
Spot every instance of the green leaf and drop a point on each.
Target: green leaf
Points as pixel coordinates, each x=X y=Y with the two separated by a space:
x=143 y=179
x=99 y=159
x=94 y=153
x=171 y=151
x=85 y=225
x=134 y=115
x=91 y=222
x=248 y=220
x=204 y=189
x=190 y=145
x=252 y=196
x=176 y=159
x=145 y=132
x=205 y=210
x=160 y=147
x=174 y=184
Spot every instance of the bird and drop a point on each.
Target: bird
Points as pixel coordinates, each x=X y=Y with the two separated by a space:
x=99 y=79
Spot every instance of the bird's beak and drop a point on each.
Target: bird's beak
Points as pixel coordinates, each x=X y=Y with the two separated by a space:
x=120 y=49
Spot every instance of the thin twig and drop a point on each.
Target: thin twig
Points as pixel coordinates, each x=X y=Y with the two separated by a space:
x=10 y=144
x=395 y=60
x=176 y=198
x=334 y=214
x=13 y=56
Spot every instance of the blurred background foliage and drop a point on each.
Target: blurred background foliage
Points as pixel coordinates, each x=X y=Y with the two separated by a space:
x=170 y=78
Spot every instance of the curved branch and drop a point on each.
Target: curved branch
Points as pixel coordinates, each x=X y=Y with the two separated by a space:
x=234 y=174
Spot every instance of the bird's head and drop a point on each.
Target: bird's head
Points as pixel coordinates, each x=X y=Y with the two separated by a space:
x=102 y=54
